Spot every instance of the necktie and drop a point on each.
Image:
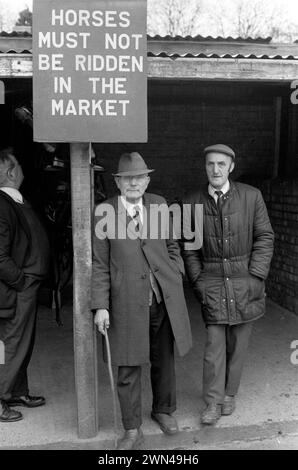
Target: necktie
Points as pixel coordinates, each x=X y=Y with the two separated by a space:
x=219 y=201
x=153 y=283
x=137 y=218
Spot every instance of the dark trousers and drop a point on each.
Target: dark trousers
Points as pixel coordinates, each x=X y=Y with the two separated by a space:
x=224 y=356
x=18 y=334
x=163 y=380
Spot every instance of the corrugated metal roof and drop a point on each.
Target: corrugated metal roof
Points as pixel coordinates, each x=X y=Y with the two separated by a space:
x=220 y=48
x=200 y=38
x=186 y=47
x=15 y=34
x=15 y=42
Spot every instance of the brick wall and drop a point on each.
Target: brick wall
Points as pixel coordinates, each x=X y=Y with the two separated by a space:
x=282 y=202
x=281 y=196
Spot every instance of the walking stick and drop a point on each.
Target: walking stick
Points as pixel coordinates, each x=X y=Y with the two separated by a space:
x=112 y=386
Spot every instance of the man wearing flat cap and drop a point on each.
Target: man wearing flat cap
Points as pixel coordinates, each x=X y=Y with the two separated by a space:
x=227 y=274
x=137 y=292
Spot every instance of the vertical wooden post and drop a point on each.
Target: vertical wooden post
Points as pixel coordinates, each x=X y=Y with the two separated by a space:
x=292 y=165
x=278 y=105
x=84 y=337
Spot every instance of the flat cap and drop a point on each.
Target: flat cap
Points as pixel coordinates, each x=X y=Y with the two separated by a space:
x=220 y=148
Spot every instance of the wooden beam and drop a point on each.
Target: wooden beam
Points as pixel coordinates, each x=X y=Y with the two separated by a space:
x=223 y=69
x=84 y=332
x=15 y=65
x=20 y=65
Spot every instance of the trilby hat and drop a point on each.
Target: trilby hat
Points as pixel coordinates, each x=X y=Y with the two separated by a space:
x=132 y=164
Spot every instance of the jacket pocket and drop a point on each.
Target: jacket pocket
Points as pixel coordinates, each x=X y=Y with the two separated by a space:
x=8 y=299
x=241 y=287
x=256 y=289
x=256 y=298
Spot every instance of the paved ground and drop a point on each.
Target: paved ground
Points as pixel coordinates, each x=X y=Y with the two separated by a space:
x=267 y=406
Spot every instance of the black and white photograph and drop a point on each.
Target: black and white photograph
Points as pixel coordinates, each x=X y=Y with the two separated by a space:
x=149 y=228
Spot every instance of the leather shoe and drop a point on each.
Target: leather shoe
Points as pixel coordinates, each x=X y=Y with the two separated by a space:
x=211 y=414
x=131 y=440
x=167 y=422
x=26 y=400
x=7 y=415
x=228 y=406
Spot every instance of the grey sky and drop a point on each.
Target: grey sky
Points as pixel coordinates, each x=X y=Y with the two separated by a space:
x=289 y=10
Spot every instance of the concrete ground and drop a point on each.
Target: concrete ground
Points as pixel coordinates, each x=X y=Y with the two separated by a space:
x=266 y=416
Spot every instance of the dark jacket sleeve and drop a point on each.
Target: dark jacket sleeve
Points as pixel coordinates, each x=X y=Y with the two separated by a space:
x=101 y=283
x=10 y=273
x=193 y=264
x=192 y=258
x=174 y=248
x=263 y=238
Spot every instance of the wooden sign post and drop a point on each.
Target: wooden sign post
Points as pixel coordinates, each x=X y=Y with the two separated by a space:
x=89 y=85
x=2 y=92
x=84 y=338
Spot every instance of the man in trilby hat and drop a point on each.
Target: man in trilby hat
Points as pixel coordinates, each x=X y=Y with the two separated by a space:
x=227 y=274
x=137 y=292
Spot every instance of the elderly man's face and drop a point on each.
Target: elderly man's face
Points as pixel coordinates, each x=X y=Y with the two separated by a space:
x=132 y=187
x=218 y=168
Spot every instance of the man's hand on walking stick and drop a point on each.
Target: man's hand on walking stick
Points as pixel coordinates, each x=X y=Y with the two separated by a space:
x=102 y=320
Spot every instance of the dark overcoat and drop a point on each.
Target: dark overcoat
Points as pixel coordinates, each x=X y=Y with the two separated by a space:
x=15 y=242
x=229 y=270
x=121 y=284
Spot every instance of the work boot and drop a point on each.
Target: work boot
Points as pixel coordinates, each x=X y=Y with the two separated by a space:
x=211 y=414
x=167 y=422
x=7 y=415
x=228 y=406
x=131 y=440
x=26 y=400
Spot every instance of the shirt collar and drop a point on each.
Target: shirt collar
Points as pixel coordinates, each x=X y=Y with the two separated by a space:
x=130 y=208
x=13 y=193
x=224 y=189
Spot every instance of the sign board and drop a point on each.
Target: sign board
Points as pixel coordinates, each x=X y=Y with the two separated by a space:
x=2 y=92
x=90 y=71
